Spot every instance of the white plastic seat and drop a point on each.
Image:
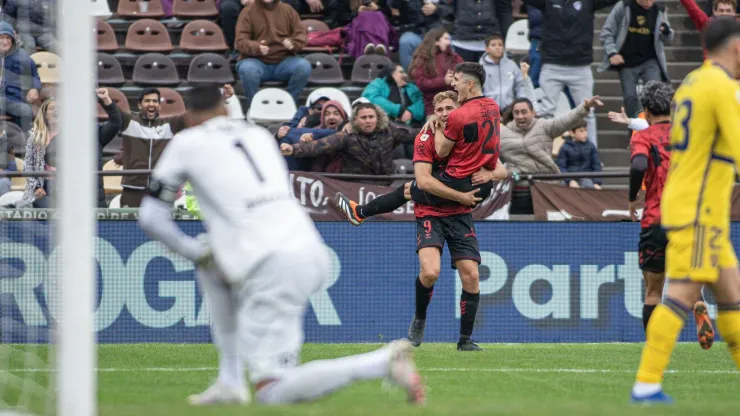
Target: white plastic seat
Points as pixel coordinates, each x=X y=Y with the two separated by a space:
x=517 y=37
x=9 y=199
x=271 y=105
x=99 y=8
x=234 y=107
x=333 y=94
x=115 y=203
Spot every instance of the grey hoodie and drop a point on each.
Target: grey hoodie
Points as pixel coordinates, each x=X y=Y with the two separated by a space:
x=504 y=82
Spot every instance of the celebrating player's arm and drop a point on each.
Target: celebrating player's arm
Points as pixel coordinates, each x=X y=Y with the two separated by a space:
x=155 y=213
x=636 y=124
x=428 y=183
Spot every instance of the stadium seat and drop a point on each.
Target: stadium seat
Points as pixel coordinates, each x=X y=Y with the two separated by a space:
x=312 y=25
x=9 y=199
x=368 y=67
x=106 y=36
x=112 y=184
x=203 y=36
x=517 y=37
x=194 y=8
x=109 y=70
x=333 y=94
x=18 y=184
x=210 y=68
x=234 y=107
x=115 y=146
x=171 y=103
x=121 y=102
x=15 y=136
x=325 y=69
x=99 y=8
x=403 y=166
x=155 y=69
x=148 y=35
x=48 y=65
x=115 y=203
x=271 y=105
x=131 y=9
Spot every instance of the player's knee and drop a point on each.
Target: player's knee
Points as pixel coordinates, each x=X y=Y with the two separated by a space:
x=470 y=279
x=429 y=275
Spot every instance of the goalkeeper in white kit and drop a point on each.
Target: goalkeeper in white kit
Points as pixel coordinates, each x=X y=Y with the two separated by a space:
x=260 y=261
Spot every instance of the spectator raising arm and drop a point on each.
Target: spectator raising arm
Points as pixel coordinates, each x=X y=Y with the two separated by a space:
x=313 y=148
x=558 y=126
x=108 y=131
x=696 y=14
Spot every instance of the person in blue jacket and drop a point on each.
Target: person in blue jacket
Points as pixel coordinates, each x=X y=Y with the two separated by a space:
x=580 y=155
x=399 y=98
x=19 y=82
x=331 y=118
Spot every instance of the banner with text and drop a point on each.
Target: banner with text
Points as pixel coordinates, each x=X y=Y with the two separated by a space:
x=561 y=203
x=540 y=282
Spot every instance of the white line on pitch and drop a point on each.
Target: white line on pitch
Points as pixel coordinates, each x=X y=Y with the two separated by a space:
x=431 y=370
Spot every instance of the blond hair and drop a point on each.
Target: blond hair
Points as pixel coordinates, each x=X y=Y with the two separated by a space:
x=444 y=95
x=40 y=134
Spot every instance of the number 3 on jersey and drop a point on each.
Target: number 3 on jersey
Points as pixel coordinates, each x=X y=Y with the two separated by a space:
x=681 y=117
x=489 y=129
x=238 y=144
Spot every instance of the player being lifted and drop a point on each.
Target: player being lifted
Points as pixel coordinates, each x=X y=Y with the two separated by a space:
x=424 y=147
x=261 y=260
x=695 y=207
x=651 y=159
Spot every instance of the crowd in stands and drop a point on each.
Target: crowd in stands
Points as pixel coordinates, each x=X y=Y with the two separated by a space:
x=416 y=45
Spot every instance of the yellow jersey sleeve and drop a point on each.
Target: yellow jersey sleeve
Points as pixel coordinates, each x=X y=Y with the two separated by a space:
x=727 y=111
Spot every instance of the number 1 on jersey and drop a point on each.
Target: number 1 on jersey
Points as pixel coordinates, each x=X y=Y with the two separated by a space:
x=238 y=144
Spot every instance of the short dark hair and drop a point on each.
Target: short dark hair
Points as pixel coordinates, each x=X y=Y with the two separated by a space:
x=581 y=124
x=364 y=106
x=522 y=100
x=494 y=36
x=149 y=91
x=718 y=32
x=656 y=98
x=205 y=97
x=472 y=69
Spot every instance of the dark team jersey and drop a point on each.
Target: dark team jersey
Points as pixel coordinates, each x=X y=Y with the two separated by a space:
x=424 y=152
x=653 y=142
x=474 y=127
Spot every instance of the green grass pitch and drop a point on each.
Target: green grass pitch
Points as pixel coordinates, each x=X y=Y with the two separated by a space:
x=517 y=379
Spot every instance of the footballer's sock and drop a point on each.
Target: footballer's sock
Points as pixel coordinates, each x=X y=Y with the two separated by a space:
x=728 y=323
x=468 y=309
x=382 y=204
x=662 y=333
x=318 y=378
x=423 y=297
x=647 y=310
x=223 y=326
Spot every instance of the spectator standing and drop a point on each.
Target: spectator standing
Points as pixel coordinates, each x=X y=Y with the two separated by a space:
x=526 y=142
x=433 y=65
x=145 y=136
x=20 y=82
x=567 y=52
x=505 y=81
x=106 y=133
x=269 y=34
x=633 y=38
x=229 y=15
x=35 y=22
x=417 y=17
x=401 y=100
x=367 y=149
x=700 y=19
x=580 y=155
x=534 y=20
x=475 y=21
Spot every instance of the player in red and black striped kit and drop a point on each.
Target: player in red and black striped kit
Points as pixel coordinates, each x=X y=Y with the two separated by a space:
x=471 y=139
x=651 y=159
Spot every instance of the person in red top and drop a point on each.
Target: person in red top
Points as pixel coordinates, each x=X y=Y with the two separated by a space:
x=651 y=159
x=700 y=19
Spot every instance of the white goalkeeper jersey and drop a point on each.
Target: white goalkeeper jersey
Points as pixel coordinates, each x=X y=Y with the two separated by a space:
x=241 y=181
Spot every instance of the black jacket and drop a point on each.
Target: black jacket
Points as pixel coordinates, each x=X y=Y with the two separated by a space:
x=579 y=157
x=106 y=133
x=568 y=30
x=478 y=19
x=413 y=20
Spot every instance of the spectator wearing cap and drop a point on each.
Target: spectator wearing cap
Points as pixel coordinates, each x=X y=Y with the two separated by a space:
x=400 y=99
x=35 y=21
x=20 y=82
x=302 y=116
x=330 y=120
x=633 y=37
x=269 y=34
